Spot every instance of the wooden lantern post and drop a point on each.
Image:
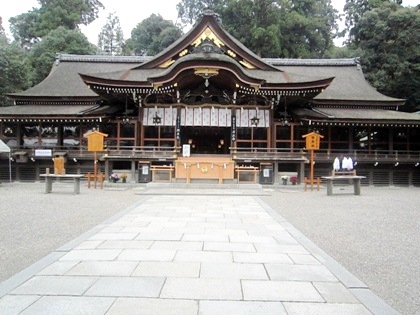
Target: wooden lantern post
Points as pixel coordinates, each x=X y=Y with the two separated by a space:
x=95 y=145
x=313 y=140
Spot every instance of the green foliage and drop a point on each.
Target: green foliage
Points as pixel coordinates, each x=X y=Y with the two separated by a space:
x=190 y=10
x=24 y=28
x=355 y=9
x=111 y=38
x=389 y=38
x=61 y=40
x=1 y=27
x=13 y=70
x=28 y=28
x=152 y=35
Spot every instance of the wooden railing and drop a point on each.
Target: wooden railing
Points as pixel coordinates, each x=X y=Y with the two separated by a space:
x=237 y=154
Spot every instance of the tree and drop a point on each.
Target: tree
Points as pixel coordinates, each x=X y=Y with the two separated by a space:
x=307 y=28
x=23 y=28
x=152 y=35
x=389 y=37
x=28 y=28
x=256 y=24
x=13 y=70
x=355 y=9
x=111 y=38
x=273 y=28
x=190 y=10
x=2 y=32
x=61 y=40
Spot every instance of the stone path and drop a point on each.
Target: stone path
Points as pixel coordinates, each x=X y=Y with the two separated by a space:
x=190 y=254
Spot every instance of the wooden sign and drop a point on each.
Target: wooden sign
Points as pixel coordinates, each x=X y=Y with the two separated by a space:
x=95 y=140
x=59 y=166
x=313 y=140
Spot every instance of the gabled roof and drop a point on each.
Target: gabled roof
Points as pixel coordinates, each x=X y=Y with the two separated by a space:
x=360 y=116
x=207 y=46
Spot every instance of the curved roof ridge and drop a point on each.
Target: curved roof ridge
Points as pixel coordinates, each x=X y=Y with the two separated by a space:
x=102 y=58
x=312 y=62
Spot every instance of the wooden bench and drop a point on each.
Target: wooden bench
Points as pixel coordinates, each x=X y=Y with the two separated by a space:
x=355 y=179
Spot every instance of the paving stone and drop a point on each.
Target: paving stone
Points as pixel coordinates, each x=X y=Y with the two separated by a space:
x=286 y=249
x=241 y=308
x=127 y=287
x=304 y=259
x=160 y=236
x=55 y=285
x=299 y=272
x=111 y=229
x=284 y=238
x=186 y=219
x=58 y=268
x=325 y=309
x=143 y=306
x=14 y=304
x=335 y=292
x=205 y=237
x=229 y=247
x=63 y=305
x=184 y=230
x=114 y=236
x=126 y=245
x=261 y=258
x=199 y=256
x=253 y=239
x=206 y=289
x=226 y=232
x=167 y=269
x=134 y=228
x=233 y=271
x=103 y=268
x=280 y=291
x=91 y=254
x=89 y=244
x=208 y=225
x=175 y=245
x=167 y=224
x=147 y=255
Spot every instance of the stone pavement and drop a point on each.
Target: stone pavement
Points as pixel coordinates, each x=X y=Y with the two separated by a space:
x=198 y=253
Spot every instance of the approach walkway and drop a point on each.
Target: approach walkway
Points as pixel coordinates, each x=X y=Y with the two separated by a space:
x=198 y=253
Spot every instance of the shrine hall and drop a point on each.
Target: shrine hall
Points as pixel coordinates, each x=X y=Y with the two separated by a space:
x=207 y=109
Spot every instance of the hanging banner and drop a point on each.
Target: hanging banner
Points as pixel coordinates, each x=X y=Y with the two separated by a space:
x=178 y=128
x=233 y=129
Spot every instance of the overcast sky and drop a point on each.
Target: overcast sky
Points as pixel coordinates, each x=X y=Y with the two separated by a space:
x=129 y=12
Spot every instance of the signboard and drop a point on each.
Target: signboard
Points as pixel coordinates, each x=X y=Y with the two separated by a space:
x=312 y=140
x=186 y=150
x=43 y=152
x=95 y=141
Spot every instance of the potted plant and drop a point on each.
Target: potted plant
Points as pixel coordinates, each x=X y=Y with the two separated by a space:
x=114 y=178
x=123 y=176
x=293 y=180
x=284 y=179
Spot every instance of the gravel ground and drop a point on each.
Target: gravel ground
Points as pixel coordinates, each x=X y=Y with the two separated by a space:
x=376 y=236
x=33 y=224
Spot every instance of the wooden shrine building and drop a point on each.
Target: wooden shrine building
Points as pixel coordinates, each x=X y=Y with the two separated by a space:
x=207 y=107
